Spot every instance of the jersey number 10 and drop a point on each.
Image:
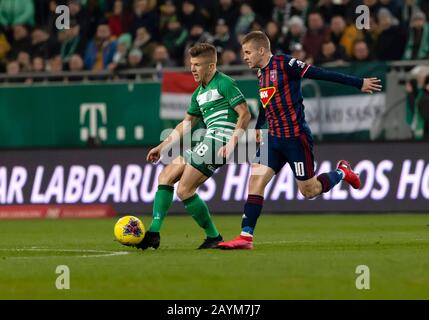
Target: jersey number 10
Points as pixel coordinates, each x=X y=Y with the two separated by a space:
x=299 y=169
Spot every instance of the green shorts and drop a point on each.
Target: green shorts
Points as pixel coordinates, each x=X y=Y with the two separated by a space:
x=203 y=156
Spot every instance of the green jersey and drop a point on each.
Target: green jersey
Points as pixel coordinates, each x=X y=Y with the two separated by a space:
x=215 y=103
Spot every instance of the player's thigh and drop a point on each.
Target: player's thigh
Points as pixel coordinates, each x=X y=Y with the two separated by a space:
x=271 y=155
x=172 y=172
x=259 y=178
x=299 y=154
x=204 y=156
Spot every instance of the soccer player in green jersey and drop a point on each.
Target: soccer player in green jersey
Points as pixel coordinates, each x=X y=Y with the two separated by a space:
x=223 y=109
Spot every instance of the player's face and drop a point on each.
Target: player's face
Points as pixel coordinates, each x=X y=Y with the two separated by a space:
x=201 y=68
x=251 y=55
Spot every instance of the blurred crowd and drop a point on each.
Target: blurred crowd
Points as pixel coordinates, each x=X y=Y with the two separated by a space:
x=122 y=34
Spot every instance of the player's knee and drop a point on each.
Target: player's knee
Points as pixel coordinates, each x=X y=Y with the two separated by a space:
x=184 y=193
x=256 y=185
x=166 y=178
x=308 y=192
x=254 y=179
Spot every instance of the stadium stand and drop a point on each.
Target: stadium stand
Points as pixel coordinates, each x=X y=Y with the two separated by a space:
x=323 y=28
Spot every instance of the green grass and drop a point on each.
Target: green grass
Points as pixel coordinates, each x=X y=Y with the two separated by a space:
x=295 y=257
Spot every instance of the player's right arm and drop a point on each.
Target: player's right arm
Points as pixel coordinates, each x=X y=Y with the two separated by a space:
x=181 y=129
x=192 y=116
x=260 y=123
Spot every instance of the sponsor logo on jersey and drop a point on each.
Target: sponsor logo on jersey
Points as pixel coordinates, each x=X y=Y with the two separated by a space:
x=266 y=94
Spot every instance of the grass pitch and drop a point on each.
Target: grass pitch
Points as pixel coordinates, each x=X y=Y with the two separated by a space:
x=295 y=257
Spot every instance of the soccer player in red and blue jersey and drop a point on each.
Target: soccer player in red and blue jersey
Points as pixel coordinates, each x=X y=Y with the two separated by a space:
x=289 y=136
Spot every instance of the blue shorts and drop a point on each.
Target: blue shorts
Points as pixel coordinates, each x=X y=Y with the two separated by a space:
x=298 y=152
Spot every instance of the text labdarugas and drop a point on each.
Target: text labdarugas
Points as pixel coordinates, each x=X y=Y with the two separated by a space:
x=138 y=183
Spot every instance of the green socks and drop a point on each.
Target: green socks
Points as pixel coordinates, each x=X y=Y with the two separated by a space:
x=161 y=205
x=198 y=209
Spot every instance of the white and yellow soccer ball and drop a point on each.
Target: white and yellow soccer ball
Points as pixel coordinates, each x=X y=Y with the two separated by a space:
x=129 y=230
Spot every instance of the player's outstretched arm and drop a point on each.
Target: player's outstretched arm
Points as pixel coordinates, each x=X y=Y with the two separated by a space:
x=371 y=85
x=181 y=129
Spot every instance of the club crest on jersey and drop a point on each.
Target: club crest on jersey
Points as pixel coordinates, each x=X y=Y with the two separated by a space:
x=273 y=75
x=266 y=94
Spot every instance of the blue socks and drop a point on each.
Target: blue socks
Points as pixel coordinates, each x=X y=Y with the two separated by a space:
x=330 y=179
x=254 y=204
x=252 y=210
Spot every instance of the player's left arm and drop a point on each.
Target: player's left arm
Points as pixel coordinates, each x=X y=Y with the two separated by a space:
x=300 y=69
x=368 y=85
x=236 y=100
x=243 y=120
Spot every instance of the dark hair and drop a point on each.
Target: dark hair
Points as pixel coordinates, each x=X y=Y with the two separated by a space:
x=203 y=50
x=259 y=38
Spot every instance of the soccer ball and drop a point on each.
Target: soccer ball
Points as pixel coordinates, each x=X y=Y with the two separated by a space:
x=129 y=230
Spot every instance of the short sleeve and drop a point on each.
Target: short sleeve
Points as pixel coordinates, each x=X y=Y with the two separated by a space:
x=194 y=108
x=296 y=68
x=229 y=90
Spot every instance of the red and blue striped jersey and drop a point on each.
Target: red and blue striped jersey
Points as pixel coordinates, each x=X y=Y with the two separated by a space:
x=281 y=96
